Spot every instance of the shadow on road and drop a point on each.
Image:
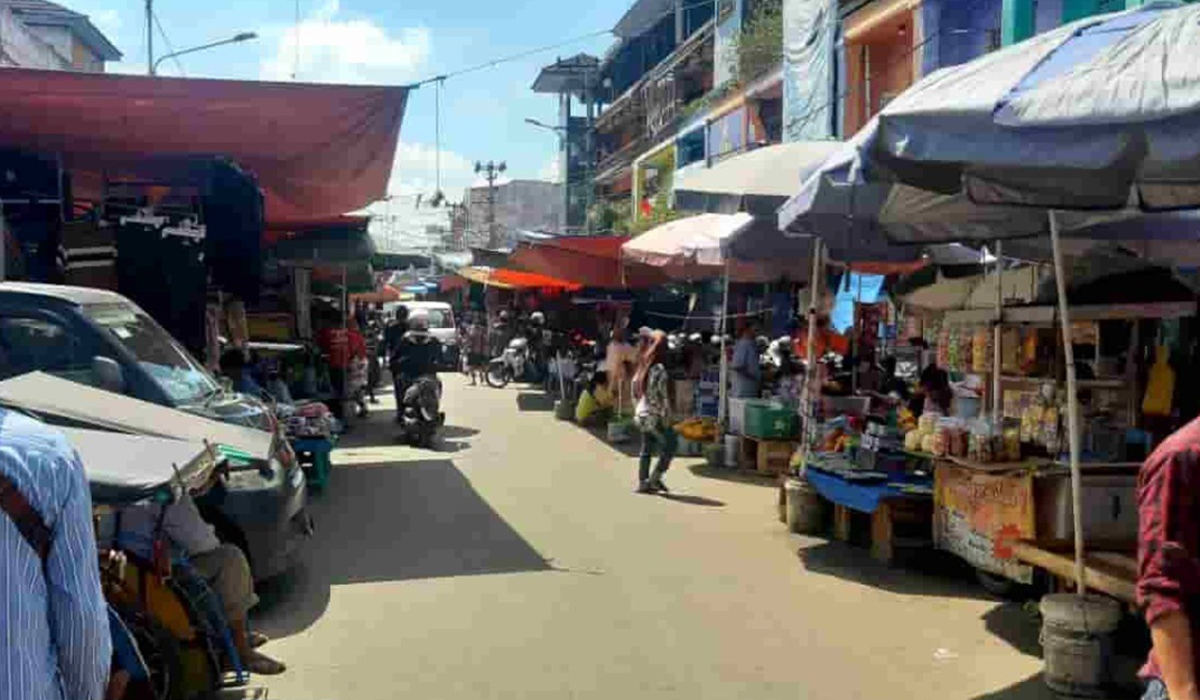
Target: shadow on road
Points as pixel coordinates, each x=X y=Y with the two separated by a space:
x=702 y=470
x=928 y=573
x=1032 y=688
x=393 y=522
x=692 y=500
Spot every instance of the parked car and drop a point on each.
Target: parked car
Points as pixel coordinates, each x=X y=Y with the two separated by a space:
x=441 y=326
x=100 y=338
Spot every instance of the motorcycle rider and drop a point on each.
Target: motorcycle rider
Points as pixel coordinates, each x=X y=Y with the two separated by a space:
x=418 y=352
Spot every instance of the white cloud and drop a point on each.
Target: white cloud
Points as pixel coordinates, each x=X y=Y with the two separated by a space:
x=333 y=49
x=416 y=171
x=106 y=20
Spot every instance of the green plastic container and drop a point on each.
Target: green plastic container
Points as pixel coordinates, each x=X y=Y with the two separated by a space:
x=768 y=421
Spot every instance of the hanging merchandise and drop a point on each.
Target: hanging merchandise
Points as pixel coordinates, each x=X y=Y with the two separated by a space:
x=966 y=349
x=1160 y=388
x=943 y=347
x=233 y=212
x=981 y=350
x=1011 y=347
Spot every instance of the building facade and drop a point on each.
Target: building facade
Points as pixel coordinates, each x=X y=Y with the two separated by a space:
x=1025 y=18
x=47 y=36
x=520 y=205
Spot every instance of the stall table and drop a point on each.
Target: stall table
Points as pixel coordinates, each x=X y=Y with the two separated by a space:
x=901 y=512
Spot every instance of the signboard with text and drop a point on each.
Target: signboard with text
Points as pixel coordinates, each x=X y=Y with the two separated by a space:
x=979 y=516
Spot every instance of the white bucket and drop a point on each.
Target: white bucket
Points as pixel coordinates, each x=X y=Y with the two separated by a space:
x=804 y=507
x=1077 y=642
x=732 y=451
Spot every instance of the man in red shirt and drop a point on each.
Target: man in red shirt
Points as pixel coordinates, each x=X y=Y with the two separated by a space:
x=1168 y=586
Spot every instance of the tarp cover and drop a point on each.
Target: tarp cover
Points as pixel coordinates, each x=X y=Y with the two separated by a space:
x=516 y=279
x=45 y=394
x=125 y=469
x=758 y=181
x=593 y=261
x=317 y=150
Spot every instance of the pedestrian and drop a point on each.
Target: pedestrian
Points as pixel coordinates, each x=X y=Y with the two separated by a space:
x=476 y=350
x=393 y=341
x=653 y=414
x=746 y=364
x=620 y=360
x=371 y=336
x=222 y=565
x=1168 y=586
x=55 y=642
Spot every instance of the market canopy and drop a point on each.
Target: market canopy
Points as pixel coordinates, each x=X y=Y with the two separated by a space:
x=316 y=150
x=593 y=261
x=502 y=278
x=757 y=182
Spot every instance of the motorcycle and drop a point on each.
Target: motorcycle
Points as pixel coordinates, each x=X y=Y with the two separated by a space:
x=511 y=365
x=421 y=417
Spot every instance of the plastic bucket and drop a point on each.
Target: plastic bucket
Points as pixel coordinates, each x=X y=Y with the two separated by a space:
x=563 y=410
x=1077 y=642
x=804 y=507
x=732 y=450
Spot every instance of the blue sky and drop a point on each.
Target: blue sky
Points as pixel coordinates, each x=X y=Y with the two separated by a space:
x=382 y=42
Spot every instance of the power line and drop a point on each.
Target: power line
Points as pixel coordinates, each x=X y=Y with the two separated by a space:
x=166 y=40
x=509 y=58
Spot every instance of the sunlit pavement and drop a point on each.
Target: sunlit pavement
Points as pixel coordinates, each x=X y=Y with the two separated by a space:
x=516 y=562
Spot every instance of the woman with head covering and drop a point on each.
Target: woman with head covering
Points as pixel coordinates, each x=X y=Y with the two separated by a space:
x=653 y=414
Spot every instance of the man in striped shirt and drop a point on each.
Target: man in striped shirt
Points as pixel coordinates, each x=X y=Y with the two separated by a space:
x=54 y=637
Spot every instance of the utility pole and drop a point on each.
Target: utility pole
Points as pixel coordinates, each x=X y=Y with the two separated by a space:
x=492 y=171
x=149 y=37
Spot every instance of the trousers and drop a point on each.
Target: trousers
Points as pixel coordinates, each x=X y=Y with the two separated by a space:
x=662 y=440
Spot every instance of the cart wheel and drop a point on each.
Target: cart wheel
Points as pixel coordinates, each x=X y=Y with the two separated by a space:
x=163 y=657
x=1000 y=586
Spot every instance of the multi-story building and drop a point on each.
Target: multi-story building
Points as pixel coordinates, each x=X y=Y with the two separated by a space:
x=519 y=205
x=1025 y=18
x=40 y=34
x=575 y=81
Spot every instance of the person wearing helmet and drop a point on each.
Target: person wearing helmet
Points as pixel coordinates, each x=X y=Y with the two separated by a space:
x=419 y=351
x=394 y=347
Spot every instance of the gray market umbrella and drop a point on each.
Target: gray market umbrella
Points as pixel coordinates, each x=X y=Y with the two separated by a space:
x=1099 y=115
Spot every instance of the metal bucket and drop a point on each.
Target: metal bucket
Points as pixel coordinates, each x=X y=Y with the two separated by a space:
x=1077 y=642
x=805 y=510
x=732 y=451
x=563 y=410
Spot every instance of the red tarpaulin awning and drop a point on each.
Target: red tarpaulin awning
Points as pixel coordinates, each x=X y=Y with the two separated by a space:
x=317 y=150
x=591 y=261
x=516 y=279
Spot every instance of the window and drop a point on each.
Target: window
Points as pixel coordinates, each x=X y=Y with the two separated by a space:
x=29 y=344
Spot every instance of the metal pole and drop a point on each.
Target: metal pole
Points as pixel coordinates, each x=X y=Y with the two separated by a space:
x=150 y=37
x=1064 y=313
x=997 y=400
x=810 y=371
x=723 y=390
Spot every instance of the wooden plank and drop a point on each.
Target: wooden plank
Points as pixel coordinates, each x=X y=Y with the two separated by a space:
x=1106 y=579
x=1117 y=560
x=882 y=546
x=841 y=522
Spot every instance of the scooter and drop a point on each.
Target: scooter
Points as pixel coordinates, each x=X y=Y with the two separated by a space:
x=422 y=416
x=511 y=365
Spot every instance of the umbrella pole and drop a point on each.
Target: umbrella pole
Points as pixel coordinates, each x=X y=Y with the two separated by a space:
x=1072 y=403
x=810 y=369
x=997 y=400
x=723 y=392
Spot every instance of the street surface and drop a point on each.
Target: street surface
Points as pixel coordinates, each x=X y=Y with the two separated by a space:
x=517 y=562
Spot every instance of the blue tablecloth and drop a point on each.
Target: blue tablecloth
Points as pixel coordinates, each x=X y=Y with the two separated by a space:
x=862 y=497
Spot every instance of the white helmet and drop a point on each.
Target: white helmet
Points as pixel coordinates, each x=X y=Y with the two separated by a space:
x=418 y=323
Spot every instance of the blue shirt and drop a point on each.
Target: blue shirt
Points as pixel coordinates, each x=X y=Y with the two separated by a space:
x=745 y=359
x=54 y=637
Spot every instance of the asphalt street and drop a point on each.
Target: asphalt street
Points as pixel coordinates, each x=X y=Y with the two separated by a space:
x=516 y=562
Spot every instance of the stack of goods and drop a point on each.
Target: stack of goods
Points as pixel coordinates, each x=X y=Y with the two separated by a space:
x=697 y=429
x=882 y=449
x=921 y=439
x=707 y=393
x=310 y=420
x=981 y=350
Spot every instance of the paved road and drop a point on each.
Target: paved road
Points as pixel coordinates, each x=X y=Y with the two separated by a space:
x=517 y=563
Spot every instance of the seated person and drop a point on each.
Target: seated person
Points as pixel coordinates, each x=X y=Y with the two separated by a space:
x=233 y=365
x=595 y=402
x=222 y=565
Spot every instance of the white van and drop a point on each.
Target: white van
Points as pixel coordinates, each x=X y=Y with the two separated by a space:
x=440 y=317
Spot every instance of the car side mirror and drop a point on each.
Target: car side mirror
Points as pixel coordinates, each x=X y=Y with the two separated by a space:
x=108 y=375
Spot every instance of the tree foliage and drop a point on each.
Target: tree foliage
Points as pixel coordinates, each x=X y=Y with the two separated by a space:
x=759 y=44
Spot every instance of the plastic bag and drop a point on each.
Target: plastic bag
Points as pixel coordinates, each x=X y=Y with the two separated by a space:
x=1160 y=389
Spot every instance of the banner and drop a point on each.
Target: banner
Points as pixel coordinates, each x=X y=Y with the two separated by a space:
x=809 y=35
x=978 y=517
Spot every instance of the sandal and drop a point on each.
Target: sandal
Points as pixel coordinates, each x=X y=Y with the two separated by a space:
x=257 y=639
x=264 y=665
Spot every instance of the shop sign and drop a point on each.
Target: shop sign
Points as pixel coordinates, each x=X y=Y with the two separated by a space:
x=979 y=516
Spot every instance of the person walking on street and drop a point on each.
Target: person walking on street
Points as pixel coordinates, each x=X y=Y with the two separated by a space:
x=393 y=341
x=653 y=415
x=746 y=364
x=1168 y=586
x=55 y=642
x=476 y=350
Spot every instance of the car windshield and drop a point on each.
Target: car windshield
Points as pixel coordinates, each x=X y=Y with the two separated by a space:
x=183 y=378
x=439 y=318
